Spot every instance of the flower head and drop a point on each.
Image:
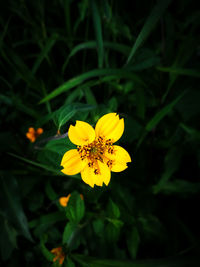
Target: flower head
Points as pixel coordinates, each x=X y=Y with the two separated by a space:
x=64 y=200
x=59 y=255
x=96 y=156
x=32 y=134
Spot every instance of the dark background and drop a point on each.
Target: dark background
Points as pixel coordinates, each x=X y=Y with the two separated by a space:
x=62 y=61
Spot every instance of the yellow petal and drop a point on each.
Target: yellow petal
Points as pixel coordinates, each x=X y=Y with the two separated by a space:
x=72 y=162
x=110 y=127
x=89 y=177
x=120 y=157
x=81 y=134
x=105 y=173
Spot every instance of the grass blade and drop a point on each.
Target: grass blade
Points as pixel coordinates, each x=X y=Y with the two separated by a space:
x=12 y=205
x=49 y=44
x=180 y=71
x=90 y=74
x=36 y=164
x=98 y=32
x=124 y=49
x=151 y=21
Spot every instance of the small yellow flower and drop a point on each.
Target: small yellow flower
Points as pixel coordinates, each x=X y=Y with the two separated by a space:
x=33 y=134
x=59 y=255
x=96 y=156
x=64 y=200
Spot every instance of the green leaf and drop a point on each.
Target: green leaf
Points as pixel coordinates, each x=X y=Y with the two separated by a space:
x=59 y=146
x=68 y=233
x=75 y=209
x=70 y=263
x=124 y=49
x=48 y=219
x=36 y=164
x=66 y=112
x=133 y=241
x=98 y=226
x=188 y=72
x=151 y=227
x=119 y=73
x=8 y=241
x=50 y=191
x=181 y=187
x=112 y=232
x=151 y=21
x=47 y=254
x=194 y=134
x=90 y=97
x=11 y=205
x=113 y=210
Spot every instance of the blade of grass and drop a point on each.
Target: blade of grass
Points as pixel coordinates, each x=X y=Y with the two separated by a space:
x=47 y=48
x=172 y=162
x=92 y=45
x=188 y=72
x=13 y=206
x=98 y=32
x=184 y=53
x=21 y=68
x=151 y=21
x=50 y=218
x=162 y=113
x=119 y=73
x=157 y=118
x=77 y=48
x=36 y=164
x=47 y=254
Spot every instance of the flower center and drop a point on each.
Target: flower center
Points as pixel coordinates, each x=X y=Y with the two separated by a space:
x=96 y=151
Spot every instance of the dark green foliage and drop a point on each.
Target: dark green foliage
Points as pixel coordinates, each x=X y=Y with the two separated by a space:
x=62 y=61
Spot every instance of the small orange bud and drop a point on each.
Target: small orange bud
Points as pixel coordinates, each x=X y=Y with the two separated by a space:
x=32 y=134
x=64 y=200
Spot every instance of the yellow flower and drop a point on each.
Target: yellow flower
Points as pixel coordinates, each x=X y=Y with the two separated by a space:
x=64 y=200
x=96 y=156
x=33 y=134
x=59 y=255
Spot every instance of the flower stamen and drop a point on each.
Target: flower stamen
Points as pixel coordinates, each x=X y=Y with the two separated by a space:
x=110 y=163
x=96 y=151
